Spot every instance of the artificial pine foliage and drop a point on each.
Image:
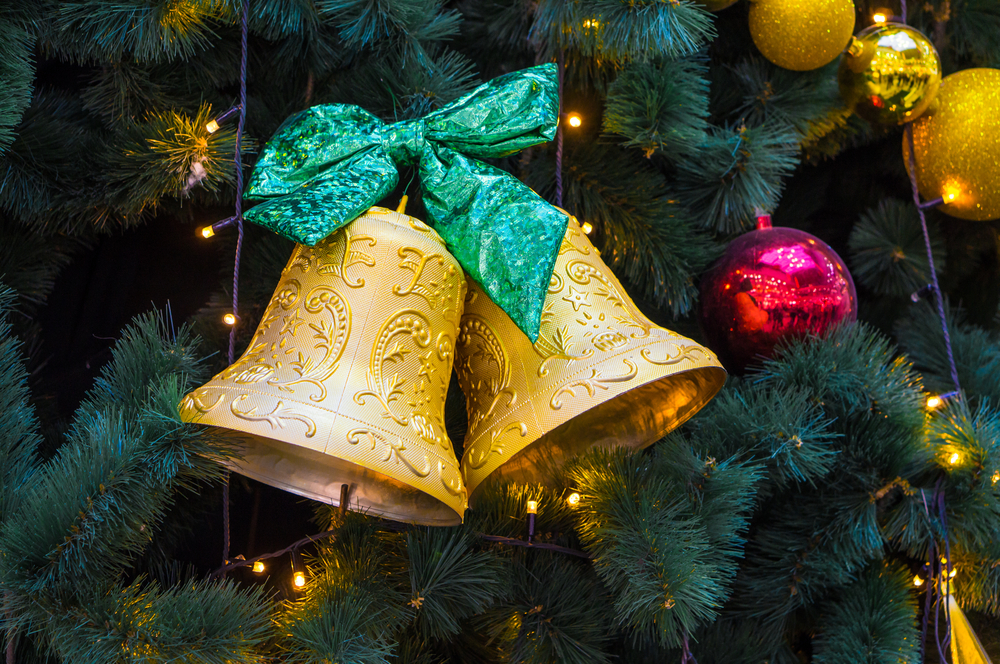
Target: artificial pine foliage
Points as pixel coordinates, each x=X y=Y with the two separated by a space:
x=784 y=523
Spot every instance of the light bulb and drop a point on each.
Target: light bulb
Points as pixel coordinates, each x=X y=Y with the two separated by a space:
x=299 y=579
x=573 y=499
x=258 y=567
x=532 y=507
x=953 y=572
x=575 y=120
x=587 y=227
x=229 y=319
x=207 y=232
x=212 y=126
x=934 y=401
x=879 y=18
x=951 y=192
x=996 y=477
x=954 y=458
x=917 y=581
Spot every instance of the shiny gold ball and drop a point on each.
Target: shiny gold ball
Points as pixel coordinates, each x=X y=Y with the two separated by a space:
x=889 y=74
x=956 y=143
x=801 y=34
x=716 y=5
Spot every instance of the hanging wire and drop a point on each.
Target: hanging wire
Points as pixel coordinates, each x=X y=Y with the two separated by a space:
x=935 y=288
x=238 y=220
x=559 y=137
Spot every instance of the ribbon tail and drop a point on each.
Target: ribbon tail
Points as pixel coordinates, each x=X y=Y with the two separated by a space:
x=505 y=236
x=330 y=201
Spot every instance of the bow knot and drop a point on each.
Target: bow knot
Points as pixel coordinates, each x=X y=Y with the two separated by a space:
x=404 y=141
x=328 y=164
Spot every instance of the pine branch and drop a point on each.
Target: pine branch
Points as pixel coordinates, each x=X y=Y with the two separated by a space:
x=887 y=248
x=17 y=73
x=622 y=32
x=85 y=31
x=737 y=172
x=873 y=621
x=448 y=581
x=660 y=108
x=556 y=611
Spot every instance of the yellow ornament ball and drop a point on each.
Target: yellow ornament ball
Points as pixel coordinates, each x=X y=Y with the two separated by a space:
x=889 y=74
x=801 y=34
x=957 y=143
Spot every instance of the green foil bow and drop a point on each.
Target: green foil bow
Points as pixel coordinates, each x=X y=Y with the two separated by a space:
x=328 y=164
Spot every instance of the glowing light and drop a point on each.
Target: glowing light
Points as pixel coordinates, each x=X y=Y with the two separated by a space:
x=206 y=232
x=575 y=120
x=951 y=192
x=229 y=319
x=996 y=477
x=258 y=567
x=879 y=18
x=954 y=458
x=917 y=581
x=573 y=499
x=532 y=507
x=934 y=401
x=953 y=572
x=212 y=126
x=299 y=579
x=587 y=227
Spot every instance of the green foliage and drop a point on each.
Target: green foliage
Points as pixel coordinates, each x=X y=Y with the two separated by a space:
x=614 y=31
x=92 y=508
x=214 y=623
x=644 y=233
x=738 y=171
x=976 y=352
x=972 y=499
x=353 y=604
x=113 y=30
x=554 y=612
x=761 y=93
x=874 y=621
x=972 y=28
x=664 y=562
x=17 y=74
x=660 y=108
x=782 y=429
x=887 y=248
x=449 y=582
x=18 y=426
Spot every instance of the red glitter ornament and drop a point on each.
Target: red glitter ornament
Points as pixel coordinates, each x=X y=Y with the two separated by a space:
x=772 y=284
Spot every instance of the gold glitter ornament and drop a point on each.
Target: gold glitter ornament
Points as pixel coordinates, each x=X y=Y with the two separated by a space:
x=890 y=74
x=600 y=375
x=345 y=380
x=957 y=142
x=801 y=34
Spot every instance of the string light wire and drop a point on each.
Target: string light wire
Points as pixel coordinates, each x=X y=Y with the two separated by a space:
x=238 y=220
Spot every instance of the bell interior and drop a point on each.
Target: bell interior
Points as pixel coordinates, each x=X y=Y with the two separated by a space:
x=319 y=476
x=633 y=420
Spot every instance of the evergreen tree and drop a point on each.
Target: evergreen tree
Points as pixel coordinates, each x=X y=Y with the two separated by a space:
x=785 y=523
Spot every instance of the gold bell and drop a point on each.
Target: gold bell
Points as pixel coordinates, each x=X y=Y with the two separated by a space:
x=600 y=375
x=345 y=379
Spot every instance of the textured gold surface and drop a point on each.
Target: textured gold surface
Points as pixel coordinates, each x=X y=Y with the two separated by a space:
x=801 y=34
x=890 y=74
x=345 y=379
x=957 y=144
x=600 y=374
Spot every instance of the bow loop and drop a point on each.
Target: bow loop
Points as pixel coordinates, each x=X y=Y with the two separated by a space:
x=404 y=141
x=328 y=164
